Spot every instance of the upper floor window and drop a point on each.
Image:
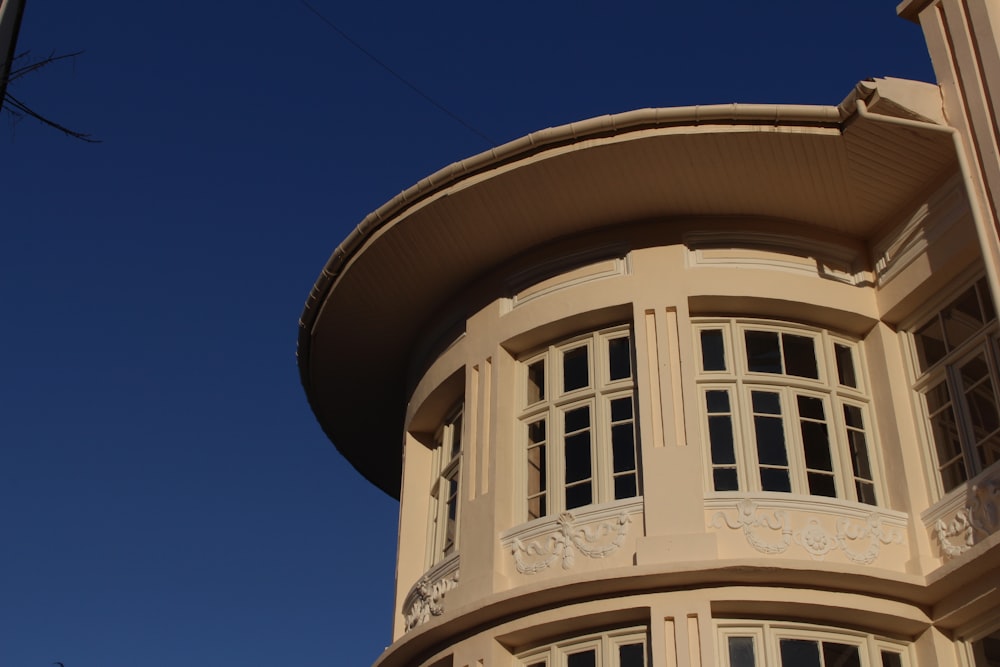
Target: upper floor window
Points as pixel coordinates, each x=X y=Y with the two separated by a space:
x=579 y=424
x=444 y=489
x=955 y=353
x=785 y=409
x=621 y=648
x=793 y=645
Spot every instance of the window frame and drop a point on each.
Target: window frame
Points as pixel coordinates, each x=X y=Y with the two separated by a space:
x=605 y=645
x=598 y=396
x=841 y=402
x=445 y=491
x=946 y=371
x=767 y=637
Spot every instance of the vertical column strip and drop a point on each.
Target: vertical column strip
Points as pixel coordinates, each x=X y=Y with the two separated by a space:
x=676 y=394
x=655 y=393
x=670 y=642
x=485 y=430
x=694 y=640
x=472 y=421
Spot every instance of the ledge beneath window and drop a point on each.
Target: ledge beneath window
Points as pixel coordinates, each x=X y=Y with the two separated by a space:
x=967 y=515
x=592 y=531
x=772 y=523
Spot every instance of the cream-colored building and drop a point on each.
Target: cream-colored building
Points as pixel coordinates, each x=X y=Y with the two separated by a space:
x=696 y=386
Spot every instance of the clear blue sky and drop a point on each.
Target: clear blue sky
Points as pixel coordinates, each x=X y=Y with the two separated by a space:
x=166 y=497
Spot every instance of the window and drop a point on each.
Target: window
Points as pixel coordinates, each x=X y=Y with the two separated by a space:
x=787 y=645
x=785 y=410
x=955 y=354
x=444 y=490
x=579 y=423
x=620 y=648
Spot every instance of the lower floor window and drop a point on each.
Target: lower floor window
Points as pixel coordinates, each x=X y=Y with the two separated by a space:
x=802 y=646
x=619 y=648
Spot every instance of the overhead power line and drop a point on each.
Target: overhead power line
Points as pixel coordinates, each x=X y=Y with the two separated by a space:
x=396 y=74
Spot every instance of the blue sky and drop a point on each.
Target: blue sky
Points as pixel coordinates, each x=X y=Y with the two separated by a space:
x=166 y=497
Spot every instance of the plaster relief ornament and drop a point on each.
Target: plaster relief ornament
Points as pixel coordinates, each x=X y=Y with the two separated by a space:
x=813 y=537
x=981 y=516
x=591 y=542
x=427 y=598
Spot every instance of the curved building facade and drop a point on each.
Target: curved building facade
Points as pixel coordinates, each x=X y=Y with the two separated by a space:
x=698 y=386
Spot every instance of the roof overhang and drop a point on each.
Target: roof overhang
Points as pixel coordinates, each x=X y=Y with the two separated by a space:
x=842 y=169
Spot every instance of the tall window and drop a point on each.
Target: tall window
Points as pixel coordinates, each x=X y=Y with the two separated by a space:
x=788 y=645
x=578 y=416
x=444 y=490
x=785 y=410
x=957 y=365
x=622 y=648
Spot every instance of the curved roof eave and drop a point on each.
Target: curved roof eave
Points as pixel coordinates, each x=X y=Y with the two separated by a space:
x=904 y=157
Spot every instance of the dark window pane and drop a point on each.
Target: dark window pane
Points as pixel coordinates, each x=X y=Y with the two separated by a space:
x=536 y=507
x=962 y=318
x=717 y=401
x=577 y=419
x=456 y=437
x=536 y=382
x=741 y=652
x=852 y=416
x=536 y=470
x=763 y=352
x=770 y=441
x=578 y=496
x=775 y=479
x=623 y=447
x=725 y=479
x=985 y=300
x=578 y=457
x=811 y=407
x=536 y=431
x=822 y=485
x=859 y=454
x=576 y=368
x=585 y=659
x=930 y=343
x=713 y=351
x=766 y=402
x=845 y=366
x=891 y=659
x=619 y=359
x=865 y=491
x=841 y=655
x=800 y=356
x=632 y=655
x=621 y=409
x=537 y=664
x=625 y=487
x=816 y=446
x=720 y=434
x=937 y=397
x=799 y=653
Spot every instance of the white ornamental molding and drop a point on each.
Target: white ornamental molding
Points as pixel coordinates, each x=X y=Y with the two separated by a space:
x=592 y=541
x=868 y=532
x=980 y=516
x=426 y=597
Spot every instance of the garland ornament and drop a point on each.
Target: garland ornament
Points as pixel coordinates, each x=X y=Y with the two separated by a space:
x=980 y=516
x=813 y=537
x=593 y=542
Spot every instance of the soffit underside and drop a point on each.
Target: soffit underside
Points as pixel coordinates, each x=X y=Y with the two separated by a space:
x=851 y=182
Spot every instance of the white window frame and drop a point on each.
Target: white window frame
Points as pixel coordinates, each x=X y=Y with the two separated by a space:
x=946 y=370
x=767 y=638
x=446 y=486
x=740 y=384
x=604 y=644
x=556 y=402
